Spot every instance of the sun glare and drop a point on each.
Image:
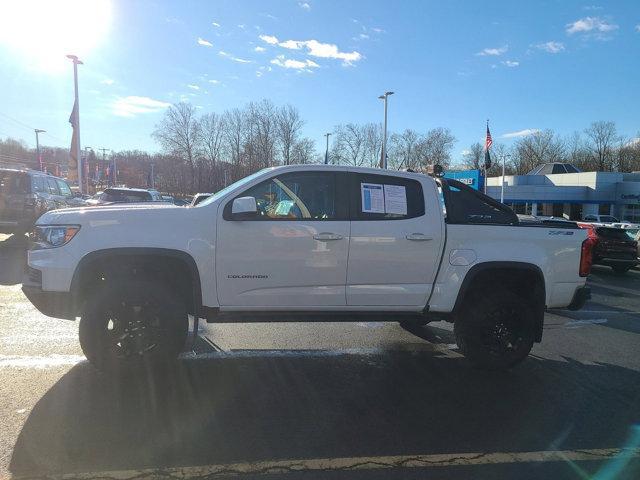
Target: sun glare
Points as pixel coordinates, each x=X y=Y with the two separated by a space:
x=43 y=32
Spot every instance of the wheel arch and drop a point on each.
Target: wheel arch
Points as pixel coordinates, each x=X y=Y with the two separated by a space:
x=134 y=256
x=523 y=278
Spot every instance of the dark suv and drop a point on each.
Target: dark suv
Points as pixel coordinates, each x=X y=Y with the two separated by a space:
x=27 y=194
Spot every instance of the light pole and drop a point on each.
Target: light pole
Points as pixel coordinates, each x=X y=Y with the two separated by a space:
x=326 y=152
x=38 y=131
x=76 y=126
x=383 y=160
x=504 y=156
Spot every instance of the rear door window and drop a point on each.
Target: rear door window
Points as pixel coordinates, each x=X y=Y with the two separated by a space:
x=38 y=184
x=53 y=186
x=385 y=197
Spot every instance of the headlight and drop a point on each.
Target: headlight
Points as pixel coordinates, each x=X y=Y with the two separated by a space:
x=51 y=236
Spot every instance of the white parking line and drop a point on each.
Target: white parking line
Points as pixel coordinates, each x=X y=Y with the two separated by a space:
x=360 y=463
x=38 y=361
x=582 y=323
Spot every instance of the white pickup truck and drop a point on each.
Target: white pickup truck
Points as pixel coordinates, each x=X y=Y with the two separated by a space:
x=307 y=243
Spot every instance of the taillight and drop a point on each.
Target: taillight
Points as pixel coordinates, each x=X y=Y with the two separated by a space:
x=586 y=256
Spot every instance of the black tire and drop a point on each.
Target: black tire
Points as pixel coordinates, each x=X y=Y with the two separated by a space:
x=495 y=329
x=133 y=324
x=621 y=269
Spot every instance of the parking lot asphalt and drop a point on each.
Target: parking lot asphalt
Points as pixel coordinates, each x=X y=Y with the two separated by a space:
x=326 y=400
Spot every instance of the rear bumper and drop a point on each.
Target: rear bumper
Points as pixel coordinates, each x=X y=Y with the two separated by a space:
x=615 y=261
x=52 y=304
x=580 y=298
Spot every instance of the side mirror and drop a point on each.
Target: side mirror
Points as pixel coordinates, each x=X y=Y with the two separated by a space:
x=244 y=208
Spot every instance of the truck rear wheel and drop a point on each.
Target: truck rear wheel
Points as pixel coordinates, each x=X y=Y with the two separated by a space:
x=495 y=329
x=133 y=324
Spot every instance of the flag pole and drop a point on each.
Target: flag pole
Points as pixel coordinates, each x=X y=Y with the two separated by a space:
x=77 y=62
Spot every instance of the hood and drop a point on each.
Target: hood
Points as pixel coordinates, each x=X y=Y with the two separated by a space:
x=115 y=212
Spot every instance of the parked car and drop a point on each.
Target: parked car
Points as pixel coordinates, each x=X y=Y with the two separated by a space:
x=179 y=202
x=199 y=197
x=614 y=247
x=27 y=194
x=113 y=195
x=312 y=242
x=609 y=221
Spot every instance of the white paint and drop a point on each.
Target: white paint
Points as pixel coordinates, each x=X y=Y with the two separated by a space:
x=40 y=362
x=582 y=323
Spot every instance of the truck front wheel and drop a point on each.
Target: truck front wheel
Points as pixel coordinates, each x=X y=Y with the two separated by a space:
x=495 y=329
x=133 y=324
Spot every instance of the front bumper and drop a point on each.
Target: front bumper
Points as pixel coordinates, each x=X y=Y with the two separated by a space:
x=52 y=304
x=580 y=298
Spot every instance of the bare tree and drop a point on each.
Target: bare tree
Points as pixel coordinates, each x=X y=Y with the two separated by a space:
x=539 y=147
x=404 y=151
x=179 y=134
x=602 y=139
x=303 y=151
x=373 y=138
x=289 y=124
x=235 y=130
x=474 y=157
x=435 y=147
x=212 y=131
x=349 y=145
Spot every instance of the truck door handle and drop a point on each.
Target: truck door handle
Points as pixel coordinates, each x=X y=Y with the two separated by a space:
x=326 y=236
x=418 y=237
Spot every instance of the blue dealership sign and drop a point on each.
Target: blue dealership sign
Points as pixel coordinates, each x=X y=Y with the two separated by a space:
x=473 y=178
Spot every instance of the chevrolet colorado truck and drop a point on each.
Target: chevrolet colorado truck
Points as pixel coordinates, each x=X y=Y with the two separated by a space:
x=307 y=243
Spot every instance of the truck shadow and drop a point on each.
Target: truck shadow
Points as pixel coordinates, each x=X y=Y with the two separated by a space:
x=13 y=259
x=232 y=408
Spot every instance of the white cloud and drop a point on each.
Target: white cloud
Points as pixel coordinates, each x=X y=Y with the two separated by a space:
x=638 y=28
x=270 y=39
x=520 y=133
x=493 y=52
x=304 y=5
x=241 y=26
x=466 y=152
x=133 y=105
x=215 y=82
x=291 y=44
x=511 y=63
x=364 y=36
x=222 y=53
x=590 y=24
x=550 y=47
x=378 y=30
x=193 y=87
x=107 y=81
x=204 y=43
x=315 y=49
x=215 y=24
x=260 y=49
x=283 y=62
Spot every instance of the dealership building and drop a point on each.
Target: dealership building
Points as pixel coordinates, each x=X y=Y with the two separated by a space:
x=561 y=190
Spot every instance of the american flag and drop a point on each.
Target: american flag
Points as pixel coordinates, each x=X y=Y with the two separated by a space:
x=489 y=141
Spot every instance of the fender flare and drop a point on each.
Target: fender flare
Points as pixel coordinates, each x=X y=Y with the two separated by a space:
x=141 y=252
x=474 y=271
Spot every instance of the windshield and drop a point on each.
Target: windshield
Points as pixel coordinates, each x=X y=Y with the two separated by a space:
x=608 y=219
x=230 y=188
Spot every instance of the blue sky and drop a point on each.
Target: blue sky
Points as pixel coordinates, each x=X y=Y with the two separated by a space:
x=524 y=65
